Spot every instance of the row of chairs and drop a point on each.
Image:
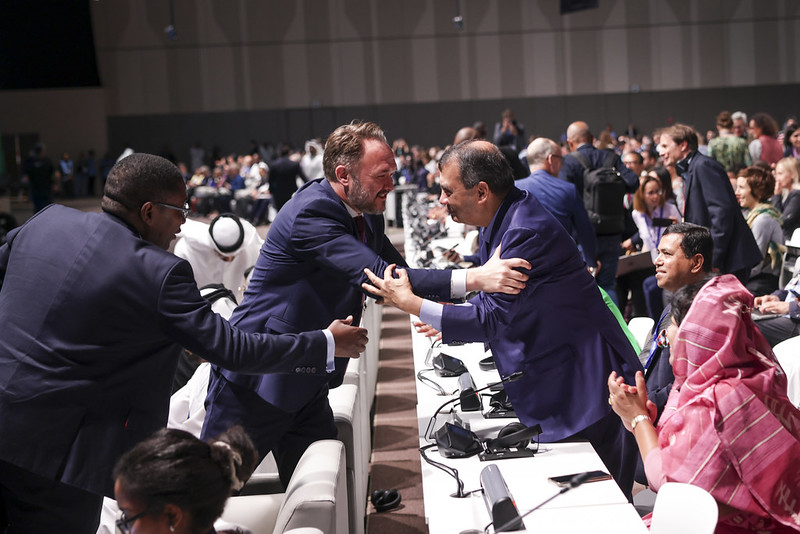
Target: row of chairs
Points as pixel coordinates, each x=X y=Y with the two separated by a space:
x=328 y=490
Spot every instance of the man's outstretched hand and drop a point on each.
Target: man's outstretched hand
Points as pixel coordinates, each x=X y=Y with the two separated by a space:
x=350 y=340
x=498 y=275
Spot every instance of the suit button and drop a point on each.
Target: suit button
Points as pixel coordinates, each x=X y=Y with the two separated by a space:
x=298 y=370
x=314 y=370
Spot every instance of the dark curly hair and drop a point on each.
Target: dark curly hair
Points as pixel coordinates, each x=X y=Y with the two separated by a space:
x=140 y=178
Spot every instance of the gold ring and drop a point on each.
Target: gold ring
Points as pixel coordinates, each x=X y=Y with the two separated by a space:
x=609 y=399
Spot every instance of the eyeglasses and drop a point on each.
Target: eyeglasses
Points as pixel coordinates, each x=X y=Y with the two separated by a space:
x=185 y=209
x=125 y=523
x=662 y=341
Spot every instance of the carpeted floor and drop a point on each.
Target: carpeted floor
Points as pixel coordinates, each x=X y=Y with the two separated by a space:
x=395 y=449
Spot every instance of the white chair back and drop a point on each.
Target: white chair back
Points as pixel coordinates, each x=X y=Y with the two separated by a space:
x=317 y=493
x=684 y=509
x=788 y=355
x=641 y=327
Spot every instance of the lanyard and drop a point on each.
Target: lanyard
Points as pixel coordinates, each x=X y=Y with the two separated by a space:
x=654 y=345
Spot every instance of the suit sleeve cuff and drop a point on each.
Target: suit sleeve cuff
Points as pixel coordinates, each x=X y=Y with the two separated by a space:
x=458 y=284
x=794 y=310
x=431 y=313
x=330 y=365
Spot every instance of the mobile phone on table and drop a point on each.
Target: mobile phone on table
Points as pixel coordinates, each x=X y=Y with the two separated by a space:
x=594 y=476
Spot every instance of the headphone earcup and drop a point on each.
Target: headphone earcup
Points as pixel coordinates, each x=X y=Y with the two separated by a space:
x=384 y=500
x=512 y=428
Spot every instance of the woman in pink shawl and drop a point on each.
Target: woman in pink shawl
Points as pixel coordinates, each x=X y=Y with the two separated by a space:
x=728 y=426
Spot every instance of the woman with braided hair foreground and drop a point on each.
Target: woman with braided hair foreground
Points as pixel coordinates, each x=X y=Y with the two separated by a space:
x=173 y=482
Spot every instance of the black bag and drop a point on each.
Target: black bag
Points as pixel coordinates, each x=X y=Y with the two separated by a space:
x=603 y=194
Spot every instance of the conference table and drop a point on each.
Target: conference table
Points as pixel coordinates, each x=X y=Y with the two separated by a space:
x=597 y=507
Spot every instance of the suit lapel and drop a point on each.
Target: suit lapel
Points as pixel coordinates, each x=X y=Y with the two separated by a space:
x=490 y=235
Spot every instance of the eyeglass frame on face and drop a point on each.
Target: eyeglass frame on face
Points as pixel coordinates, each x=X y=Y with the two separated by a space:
x=125 y=524
x=185 y=210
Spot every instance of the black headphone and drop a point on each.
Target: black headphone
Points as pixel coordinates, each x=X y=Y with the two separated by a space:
x=385 y=500
x=487 y=364
x=513 y=436
x=455 y=441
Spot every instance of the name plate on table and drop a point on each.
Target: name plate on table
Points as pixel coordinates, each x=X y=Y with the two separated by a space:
x=634 y=262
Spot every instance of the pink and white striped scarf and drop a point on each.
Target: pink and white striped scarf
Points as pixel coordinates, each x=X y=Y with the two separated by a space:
x=728 y=425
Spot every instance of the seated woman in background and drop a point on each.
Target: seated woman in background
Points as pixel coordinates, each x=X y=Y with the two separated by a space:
x=754 y=186
x=651 y=214
x=174 y=482
x=787 y=195
x=728 y=426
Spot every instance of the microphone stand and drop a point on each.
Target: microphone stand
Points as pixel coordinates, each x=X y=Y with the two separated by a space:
x=576 y=481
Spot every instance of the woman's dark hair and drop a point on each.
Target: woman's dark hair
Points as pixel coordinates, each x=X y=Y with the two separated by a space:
x=724 y=120
x=792 y=128
x=639 y=203
x=666 y=181
x=174 y=467
x=766 y=123
x=682 y=299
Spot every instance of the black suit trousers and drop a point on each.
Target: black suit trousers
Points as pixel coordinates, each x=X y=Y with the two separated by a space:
x=31 y=504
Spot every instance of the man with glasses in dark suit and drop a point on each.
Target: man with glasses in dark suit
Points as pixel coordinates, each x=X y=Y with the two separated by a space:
x=95 y=312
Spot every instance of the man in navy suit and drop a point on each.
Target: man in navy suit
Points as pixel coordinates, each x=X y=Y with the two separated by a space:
x=311 y=267
x=560 y=198
x=557 y=331
x=710 y=202
x=95 y=312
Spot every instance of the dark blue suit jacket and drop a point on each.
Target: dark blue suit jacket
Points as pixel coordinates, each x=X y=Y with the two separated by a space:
x=93 y=319
x=309 y=273
x=710 y=202
x=561 y=199
x=557 y=330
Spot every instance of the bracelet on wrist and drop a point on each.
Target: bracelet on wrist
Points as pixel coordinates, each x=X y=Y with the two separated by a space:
x=638 y=419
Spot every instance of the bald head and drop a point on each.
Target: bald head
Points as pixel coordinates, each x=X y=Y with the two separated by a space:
x=465 y=134
x=539 y=149
x=578 y=133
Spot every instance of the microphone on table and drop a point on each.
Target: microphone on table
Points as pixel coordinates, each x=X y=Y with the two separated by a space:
x=516 y=522
x=467 y=394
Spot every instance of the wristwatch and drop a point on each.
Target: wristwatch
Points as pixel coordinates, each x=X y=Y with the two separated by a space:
x=639 y=418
